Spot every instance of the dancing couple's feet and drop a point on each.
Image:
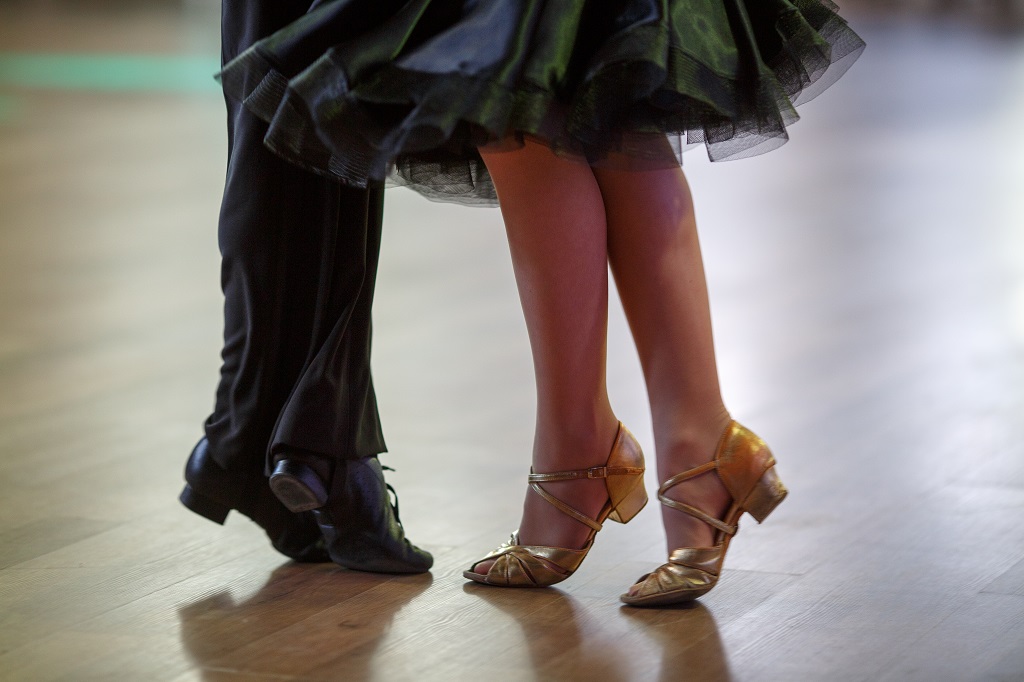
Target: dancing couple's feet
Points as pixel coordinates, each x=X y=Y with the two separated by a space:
x=353 y=521
x=711 y=494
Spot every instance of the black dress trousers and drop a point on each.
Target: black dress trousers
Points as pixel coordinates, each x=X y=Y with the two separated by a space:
x=299 y=266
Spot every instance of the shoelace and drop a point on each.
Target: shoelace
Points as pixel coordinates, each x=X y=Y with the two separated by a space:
x=394 y=493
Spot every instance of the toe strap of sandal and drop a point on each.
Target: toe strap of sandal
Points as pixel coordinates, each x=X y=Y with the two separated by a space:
x=689 y=568
x=526 y=564
x=704 y=559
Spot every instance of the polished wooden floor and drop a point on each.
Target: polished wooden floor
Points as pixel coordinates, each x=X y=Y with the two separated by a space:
x=867 y=283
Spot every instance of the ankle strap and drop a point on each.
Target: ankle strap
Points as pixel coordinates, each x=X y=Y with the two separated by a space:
x=592 y=472
x=687 y=509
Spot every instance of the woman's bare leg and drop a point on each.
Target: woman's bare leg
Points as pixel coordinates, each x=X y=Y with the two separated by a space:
x=656 y=260
x=554 y=217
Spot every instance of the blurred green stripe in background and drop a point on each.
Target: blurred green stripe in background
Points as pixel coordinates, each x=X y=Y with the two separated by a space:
x=109 y=73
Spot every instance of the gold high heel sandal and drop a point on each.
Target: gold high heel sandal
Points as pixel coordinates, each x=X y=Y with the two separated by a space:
x=518 y=565
x=747 y=469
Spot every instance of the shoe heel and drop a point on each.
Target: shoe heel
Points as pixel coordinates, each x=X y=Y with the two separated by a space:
x=630 y=505
x=768 y=492
x=297 y=486
x=204 y=506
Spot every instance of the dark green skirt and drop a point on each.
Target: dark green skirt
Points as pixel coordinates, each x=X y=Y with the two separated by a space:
x=407 y=90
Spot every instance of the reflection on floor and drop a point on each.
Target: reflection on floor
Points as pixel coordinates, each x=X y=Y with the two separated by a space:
x=868 y=290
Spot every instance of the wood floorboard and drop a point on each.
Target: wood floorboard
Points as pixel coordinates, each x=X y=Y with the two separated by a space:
x=87 y=656
x=44 y=536
x=850 y=629
x=980 y=639
x=1010 y=582
x=867 y=289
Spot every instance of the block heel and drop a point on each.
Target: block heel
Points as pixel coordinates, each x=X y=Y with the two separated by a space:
x=204 y=506
x=767 y=494
x=629 y=506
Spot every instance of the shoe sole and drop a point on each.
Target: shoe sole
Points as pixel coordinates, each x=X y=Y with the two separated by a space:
x=203 y=505
x=665 y=598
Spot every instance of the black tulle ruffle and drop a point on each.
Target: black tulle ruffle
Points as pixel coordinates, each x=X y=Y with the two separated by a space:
x=365 y=90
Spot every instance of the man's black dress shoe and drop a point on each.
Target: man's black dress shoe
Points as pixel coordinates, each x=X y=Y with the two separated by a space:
x=356 y=516
x=212 y=492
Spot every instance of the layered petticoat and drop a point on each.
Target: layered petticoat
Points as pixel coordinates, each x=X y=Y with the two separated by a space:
x=366 y=90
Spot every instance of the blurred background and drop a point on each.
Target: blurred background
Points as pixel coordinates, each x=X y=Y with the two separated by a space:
x=867 y=285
